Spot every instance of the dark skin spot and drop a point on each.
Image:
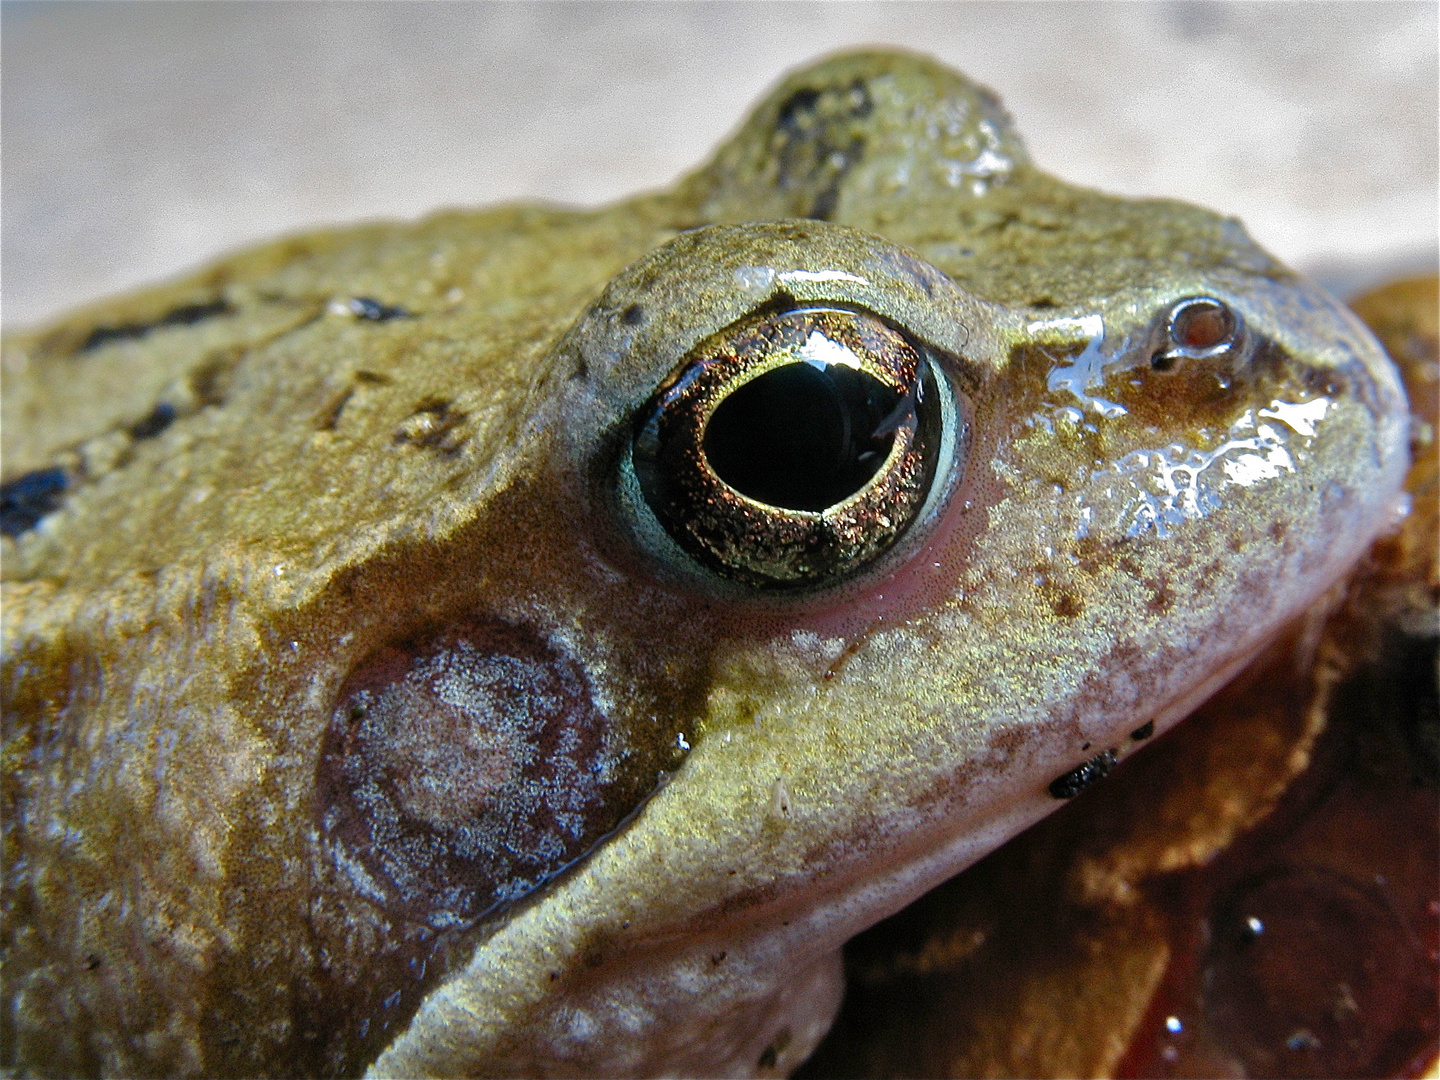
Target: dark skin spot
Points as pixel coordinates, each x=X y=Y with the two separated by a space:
x=28 y=498
x=329 y=417
x=184 y=315
x=372 y=310
x=1082 y=776
x=1161 y=600
x=159 y=418
x=819 y=142
x=1068 y=606
x=210 y=380
x=771 y=1054
x=1144 y=731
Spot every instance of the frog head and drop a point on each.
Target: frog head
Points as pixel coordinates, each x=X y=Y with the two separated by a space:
x=534 y=641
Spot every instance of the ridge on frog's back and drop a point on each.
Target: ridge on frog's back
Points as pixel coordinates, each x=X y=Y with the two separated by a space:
x=532 y=641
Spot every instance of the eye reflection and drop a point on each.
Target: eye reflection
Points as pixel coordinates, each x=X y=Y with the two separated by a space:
x=793 y=448
x=804 y=436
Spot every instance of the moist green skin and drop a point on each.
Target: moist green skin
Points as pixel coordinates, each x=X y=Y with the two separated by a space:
x=177 y=631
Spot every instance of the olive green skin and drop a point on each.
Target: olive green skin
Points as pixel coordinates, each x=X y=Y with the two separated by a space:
x=177 y=632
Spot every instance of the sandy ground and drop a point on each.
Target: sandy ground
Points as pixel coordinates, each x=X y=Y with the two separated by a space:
x=140 y=139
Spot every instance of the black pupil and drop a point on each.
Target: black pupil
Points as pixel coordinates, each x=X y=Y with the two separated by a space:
x=805 y=436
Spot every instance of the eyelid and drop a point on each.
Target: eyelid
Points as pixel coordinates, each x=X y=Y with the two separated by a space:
x=656 y=310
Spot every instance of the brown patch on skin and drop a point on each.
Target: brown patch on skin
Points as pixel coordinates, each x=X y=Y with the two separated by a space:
x=1068 y=606
x=1161 y=600
x=210 y=381
x=329 y=417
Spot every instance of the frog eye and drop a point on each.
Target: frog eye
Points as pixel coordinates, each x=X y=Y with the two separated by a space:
x=1198 y=328
x=795 y=447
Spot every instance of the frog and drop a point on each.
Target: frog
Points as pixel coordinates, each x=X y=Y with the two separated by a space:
x=532 y=641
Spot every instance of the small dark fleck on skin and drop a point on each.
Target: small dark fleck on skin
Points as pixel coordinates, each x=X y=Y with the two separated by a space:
x=184 y=315
x=1086 y=746
x=1082 y=776
x=210 y=380
x=1068 y=607
x=366 y=307
x=771 y=1054
x=1144 y=731
x=27 y=499
x=329 y=418
x=373 y=378
x=716 y=958
x=160 y=418
x=1161 y=601
x=92 y=962
x=633 y=315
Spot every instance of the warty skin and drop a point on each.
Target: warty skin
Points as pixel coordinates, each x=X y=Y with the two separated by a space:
x=179 y=631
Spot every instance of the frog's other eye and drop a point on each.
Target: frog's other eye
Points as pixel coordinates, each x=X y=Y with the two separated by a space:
x=796 y=447
x=1198 y=328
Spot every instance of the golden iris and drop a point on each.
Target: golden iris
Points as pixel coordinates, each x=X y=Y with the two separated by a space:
x=793 y=447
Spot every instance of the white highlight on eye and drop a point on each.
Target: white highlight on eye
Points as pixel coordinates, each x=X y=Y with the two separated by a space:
x=820 y=352
x=821 y=275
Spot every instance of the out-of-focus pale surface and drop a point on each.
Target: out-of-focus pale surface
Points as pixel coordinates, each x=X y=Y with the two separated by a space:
x=141 y=139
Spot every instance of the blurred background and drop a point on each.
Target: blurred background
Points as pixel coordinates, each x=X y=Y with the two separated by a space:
x=141 y=139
